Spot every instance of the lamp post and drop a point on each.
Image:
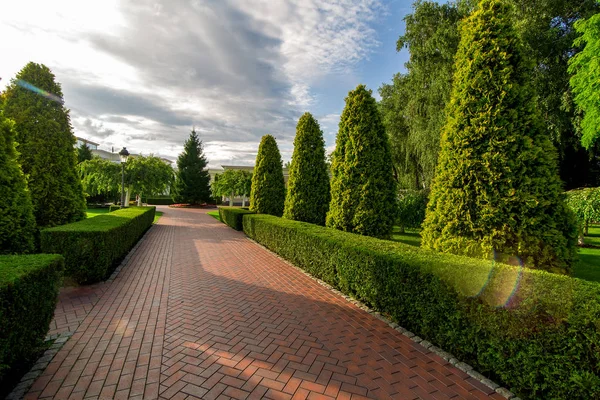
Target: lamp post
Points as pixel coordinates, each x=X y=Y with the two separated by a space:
x=123 y=154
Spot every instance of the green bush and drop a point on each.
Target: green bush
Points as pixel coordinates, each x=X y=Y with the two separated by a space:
x=232 y=216
x=536 y=332
x=17 y=224
x=93 y=247
x=113 y=208
x=267 y=194
x=308 y=196
x=28 y=294
x=363 y=189
x=497 y=190
x=411 y=208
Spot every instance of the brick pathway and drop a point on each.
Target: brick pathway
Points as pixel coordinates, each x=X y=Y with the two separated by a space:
x=200 y=311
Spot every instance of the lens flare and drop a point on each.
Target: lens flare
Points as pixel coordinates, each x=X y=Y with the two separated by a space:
x=41 y=92
x=503 y=284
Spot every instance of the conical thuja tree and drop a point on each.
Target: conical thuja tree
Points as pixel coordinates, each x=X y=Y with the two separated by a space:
x=17 y=225
x=363 y=190
x=192 y=183
x=308 y=194
x=267 y=195
x=33 y=100
x=497 y=189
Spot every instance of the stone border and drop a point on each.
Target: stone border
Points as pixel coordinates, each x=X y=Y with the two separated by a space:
x=38 y=368
x=468 y=369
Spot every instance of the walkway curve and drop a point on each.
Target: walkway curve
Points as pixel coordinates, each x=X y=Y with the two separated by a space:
x=200 y=311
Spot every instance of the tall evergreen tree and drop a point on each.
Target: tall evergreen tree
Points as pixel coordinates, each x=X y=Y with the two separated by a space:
x=45 y=136
x=84 y=153
x=363 y=190
x=497 y=188
x=308 y=194
x=267 y=195
x=192 y=183
x=17 y=225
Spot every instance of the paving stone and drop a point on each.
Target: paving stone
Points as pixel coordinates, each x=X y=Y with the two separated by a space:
x=198 y=309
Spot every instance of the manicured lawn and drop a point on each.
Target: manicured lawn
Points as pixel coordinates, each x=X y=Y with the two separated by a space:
x=214 y=214
x=94 y=212
x=587 y=268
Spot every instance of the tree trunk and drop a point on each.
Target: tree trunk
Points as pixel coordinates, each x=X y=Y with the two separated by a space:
x=139 y=203
x=127 y=196
x=231 y=200
x=586 y=232
x=243 y=201
x=581 y=238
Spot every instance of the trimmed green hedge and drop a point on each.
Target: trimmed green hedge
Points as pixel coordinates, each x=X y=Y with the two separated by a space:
x=93 y=247
x=159 y=201
x=113 y=208
x=28 y=294
x=536 y=332
x=232 y=216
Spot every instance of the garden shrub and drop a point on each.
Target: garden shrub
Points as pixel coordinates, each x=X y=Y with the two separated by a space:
x=232 y=216
x=497 y=190
x=308 y=196
x=267 y=194
x=585 y=204
x=411 y=208
x=537 y=333
x=363 y=189
x=159 y=201
x=28 y=294
x=113 y=208
x=93 y=247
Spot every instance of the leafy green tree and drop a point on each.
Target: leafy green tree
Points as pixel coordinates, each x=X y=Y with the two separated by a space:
x=363 y=190
x=44 y=133
x=192 y=183
x=308 y=193
x=267 y=195
x=84 y=153
x=497 y=188
x=585 y=203
x=585 y=82
x=17 y=224
x=147 y=176
x=232 y=183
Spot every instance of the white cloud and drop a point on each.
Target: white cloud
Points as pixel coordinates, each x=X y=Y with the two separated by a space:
x=141 y=74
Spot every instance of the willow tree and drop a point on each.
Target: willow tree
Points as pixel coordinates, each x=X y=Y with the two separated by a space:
x=308 y=186
x=497 y=189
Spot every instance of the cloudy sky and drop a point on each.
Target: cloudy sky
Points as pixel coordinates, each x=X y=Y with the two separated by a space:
x=141 y=74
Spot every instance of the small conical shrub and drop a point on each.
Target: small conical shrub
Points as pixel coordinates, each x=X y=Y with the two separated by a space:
x=33 y=100
x=497 y=189
x=267 y=195
x=308 y=194
x=363 y=190
x=17 y=225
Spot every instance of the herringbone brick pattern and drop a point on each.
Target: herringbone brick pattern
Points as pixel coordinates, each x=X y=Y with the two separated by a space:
x=202 y=312
x=74 y=304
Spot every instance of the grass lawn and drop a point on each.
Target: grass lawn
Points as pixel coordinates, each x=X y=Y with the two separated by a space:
x=94 y=212
x=214 y=214
x=588 y=266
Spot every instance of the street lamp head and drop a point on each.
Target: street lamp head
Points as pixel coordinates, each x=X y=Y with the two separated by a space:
x=124 y=154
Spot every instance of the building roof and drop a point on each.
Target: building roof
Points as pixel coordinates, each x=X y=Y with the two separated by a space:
x=86 y=141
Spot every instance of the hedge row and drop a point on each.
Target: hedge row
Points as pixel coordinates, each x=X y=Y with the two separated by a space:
x=159 y=201
x=28 y=293
x=232 y=216
x=538 y=333
x=93 y=247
